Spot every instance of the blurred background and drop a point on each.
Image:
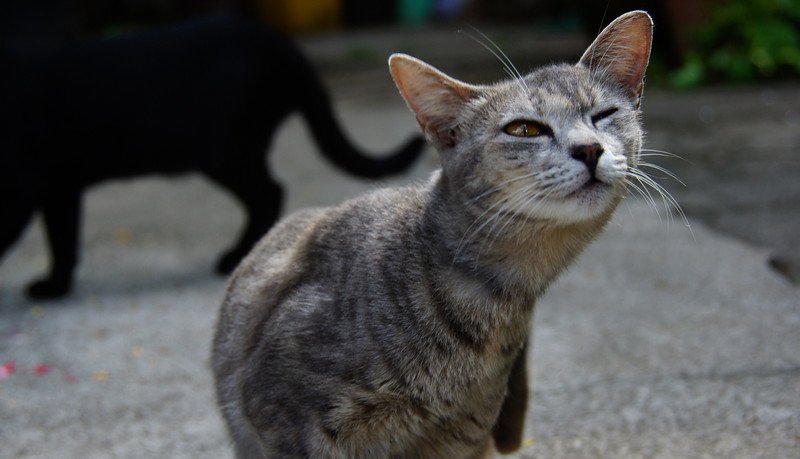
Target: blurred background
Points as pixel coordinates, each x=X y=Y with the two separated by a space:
x=659 y=343
x=722 y=84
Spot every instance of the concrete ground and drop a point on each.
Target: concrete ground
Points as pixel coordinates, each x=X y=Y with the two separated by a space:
x=659 y=342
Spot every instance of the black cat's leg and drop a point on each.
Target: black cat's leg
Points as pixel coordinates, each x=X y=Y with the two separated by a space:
x=507 y=430
x=261 y=198
x=61 y=213
x=16 y=216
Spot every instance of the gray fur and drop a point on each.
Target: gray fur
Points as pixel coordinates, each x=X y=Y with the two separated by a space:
x=389 y=326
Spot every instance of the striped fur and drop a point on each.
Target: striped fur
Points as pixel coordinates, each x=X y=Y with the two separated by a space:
x=395 y=325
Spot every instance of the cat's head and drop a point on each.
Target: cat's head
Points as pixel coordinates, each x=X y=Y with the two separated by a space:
x=556 y=144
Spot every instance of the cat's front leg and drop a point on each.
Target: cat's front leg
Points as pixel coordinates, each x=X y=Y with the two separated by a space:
x=508 y=428
x=61 y=211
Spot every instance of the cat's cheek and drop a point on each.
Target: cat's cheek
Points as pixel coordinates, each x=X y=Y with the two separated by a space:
x=611 y=169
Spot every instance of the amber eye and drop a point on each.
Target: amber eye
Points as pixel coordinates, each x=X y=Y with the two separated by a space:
x=524 y=128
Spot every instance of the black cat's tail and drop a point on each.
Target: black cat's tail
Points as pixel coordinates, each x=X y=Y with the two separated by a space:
x=333 y=142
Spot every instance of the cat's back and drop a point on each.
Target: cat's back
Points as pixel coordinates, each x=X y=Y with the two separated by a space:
x=308 y=251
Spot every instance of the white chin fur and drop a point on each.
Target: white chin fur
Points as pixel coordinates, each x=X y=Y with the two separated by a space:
x=572 y=209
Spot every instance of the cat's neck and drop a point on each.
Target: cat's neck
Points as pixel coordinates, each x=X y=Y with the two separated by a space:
x=524 y=258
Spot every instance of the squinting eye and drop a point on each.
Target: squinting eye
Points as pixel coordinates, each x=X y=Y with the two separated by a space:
x=523 y=128
x=604 y=114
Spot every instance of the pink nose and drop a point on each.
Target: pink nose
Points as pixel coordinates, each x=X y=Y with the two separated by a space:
x=588 y=154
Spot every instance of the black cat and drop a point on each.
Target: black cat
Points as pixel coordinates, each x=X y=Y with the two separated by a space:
x=202 y=96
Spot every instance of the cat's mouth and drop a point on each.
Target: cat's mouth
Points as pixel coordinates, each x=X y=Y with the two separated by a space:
x=592 y=186
x=589 y=198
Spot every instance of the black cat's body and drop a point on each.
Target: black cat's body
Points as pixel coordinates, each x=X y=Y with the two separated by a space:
x=204 y=96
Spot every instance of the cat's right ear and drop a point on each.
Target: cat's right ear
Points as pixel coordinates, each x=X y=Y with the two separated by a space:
x=434 y=97
x=622 y=50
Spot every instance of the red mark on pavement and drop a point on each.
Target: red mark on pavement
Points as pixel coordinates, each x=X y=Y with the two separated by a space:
x=8 y=369
x=41 y=369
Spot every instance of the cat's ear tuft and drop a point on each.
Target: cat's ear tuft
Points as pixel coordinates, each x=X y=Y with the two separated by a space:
x=435 y=98
x=623 y=50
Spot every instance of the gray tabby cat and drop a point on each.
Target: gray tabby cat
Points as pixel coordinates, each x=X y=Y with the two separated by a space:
x=395 y=325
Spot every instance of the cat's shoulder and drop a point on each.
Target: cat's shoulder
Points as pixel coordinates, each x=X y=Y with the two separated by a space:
x=284 y=250
x=288 y=242
x=282 y=245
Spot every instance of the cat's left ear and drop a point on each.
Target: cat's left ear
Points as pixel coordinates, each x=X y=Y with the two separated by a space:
x=434 y=97
x=623 y=50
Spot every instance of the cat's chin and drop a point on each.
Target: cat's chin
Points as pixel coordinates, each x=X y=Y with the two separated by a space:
x=588 y=202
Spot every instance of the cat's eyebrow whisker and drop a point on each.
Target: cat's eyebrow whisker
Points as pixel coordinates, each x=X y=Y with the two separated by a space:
x=509 y=67
x=505 y=56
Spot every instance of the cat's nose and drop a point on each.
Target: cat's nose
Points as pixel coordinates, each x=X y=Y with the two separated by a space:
x=588 y=154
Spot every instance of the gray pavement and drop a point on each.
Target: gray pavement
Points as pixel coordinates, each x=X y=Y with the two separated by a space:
x=659 y=342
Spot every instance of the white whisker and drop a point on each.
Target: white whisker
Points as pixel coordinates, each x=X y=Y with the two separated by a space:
x=652 y=152
x=662 y=170
x=644 y=192
x=499 y=186
x=647 y=181
x=469 y=235
x=508 y=66
x=505 y=56
x=509 y=211
x=669 y=200
x=498 y=216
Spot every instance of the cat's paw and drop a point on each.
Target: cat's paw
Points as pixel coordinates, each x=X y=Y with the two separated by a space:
x=48 y=289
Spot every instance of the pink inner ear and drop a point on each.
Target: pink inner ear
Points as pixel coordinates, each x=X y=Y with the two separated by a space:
x=435 y=98
x=623 y=48
x=415 y=82
x=636 y=67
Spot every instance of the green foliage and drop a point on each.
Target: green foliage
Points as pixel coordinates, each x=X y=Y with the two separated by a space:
x=745 y=40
